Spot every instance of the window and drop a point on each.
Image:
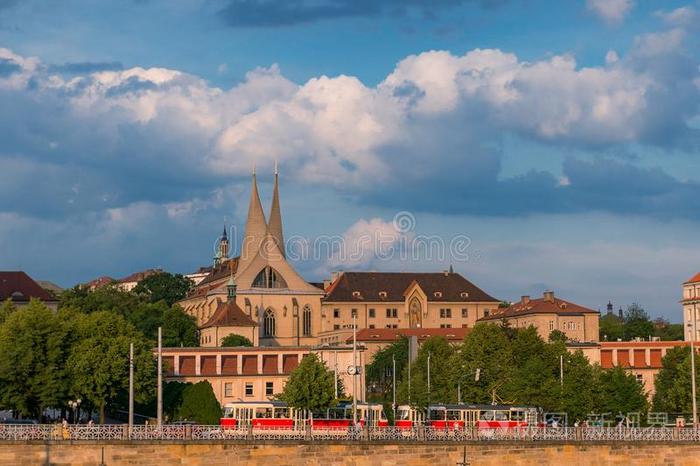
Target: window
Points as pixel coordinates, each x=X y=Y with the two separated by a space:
x=465 y=326
x=248 y=389
x=269 y=278
x=306 y=321
x=371 y=313
x=336 y=313
x=392 y=312
x=551 y=325
x=465 y=313
x=392 y=326
x=269 y=389
x=336 y=327
x=445 y=313
x=640 y=378
x=486 y=312
x=445 y=326
x=269 y=323
x=371 y=325
x=228 y=389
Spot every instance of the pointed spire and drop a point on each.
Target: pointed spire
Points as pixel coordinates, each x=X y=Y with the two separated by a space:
x=274 y=228
x=224 y=235
x=255 y=227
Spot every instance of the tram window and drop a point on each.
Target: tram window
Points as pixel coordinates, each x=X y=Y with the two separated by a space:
x=517 y=415
x=453 y=415
x=228 y=412
x=437 y=415
x=281 y=413
x=403 y=414
x=263 y=413
x=501 y=415
x=486 y=416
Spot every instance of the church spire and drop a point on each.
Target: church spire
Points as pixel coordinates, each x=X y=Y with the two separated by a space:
x=274 y=228
x=255 y=227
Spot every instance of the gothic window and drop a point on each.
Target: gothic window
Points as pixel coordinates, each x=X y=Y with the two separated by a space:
x=306 y=321
x=269 y=323
x=269 y=278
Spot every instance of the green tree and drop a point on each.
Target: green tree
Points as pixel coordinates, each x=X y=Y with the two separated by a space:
x=164 y=286
x=6 y=308
x=557 y=335
x=379 y=372
x=580 y=388
x=611 y=328
x=199 y=404
x=672 y=386
x=32 y=345
x=233 y=340
x=667 y=331
x=98 y=366
x=442 y=374
x=620 y=392
x=179 y=329
x=486 y=349
x=310 y=385
x=637 y=323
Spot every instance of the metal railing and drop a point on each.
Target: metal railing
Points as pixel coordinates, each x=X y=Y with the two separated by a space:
x=58 y=432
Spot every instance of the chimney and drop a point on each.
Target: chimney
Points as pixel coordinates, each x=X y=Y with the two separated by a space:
x=334 y=276
x=445 y=272
x=548 y=296
x=525 y=299
x=326 y=284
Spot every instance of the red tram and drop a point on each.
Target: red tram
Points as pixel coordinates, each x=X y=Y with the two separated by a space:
x=461 y=416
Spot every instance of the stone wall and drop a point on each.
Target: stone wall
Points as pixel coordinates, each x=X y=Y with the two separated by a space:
x=357 y=454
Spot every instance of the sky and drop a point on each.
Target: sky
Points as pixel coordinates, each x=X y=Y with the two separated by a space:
x=533 y=145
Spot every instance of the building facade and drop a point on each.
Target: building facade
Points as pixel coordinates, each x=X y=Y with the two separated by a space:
x=550 y=313
x=691 y=308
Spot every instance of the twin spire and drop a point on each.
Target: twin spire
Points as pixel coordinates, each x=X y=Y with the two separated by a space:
x=257 y=228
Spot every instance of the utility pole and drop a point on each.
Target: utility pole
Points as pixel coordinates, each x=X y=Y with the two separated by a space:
x=335 y=372
x=354 y=371
x=692 y=370
x=561 y=370
x=428 y=378
x=131 y=387
x=409 y=374
x=393 y=381
x=159 y=412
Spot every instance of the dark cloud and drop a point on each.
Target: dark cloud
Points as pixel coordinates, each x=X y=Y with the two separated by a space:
x=271 y=13
x=8 y=67
x=85 y=67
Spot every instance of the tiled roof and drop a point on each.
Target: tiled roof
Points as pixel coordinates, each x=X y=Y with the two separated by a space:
x=540 y=306
x=99 y=282
x=138 y=276
x=228 y=314
x=392 y=334
x=391 y=286
x=19 y=287
x=695 y=278
x=222 y=271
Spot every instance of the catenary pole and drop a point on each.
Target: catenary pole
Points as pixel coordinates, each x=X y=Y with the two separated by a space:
x=131 y=386
x=159 y=413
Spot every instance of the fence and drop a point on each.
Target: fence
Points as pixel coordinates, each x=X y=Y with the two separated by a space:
x=195 y=433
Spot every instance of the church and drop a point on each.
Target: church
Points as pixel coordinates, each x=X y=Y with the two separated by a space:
x=259 y=294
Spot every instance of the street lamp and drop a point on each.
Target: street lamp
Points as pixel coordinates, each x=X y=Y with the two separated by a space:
x=74 y=404
x=354 y=364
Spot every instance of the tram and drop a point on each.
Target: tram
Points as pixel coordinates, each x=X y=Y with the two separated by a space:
x=278 y=415
x=461 y=416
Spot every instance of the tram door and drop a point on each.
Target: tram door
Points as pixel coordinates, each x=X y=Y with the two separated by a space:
x=300 y=417
x=471 y=416
x=244 y=416
x=531 y=417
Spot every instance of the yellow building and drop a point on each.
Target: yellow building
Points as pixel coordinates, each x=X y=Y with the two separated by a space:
x=691 y=308
x=550 y=313
x=289 y=311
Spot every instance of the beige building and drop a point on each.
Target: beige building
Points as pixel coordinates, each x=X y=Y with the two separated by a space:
x=289 y=311
x=550 y=313
x=255 y=374
x=691 y=308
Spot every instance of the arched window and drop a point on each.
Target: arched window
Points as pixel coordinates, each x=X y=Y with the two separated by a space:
x=269 y=323
x=269 y=278
x=306 y=321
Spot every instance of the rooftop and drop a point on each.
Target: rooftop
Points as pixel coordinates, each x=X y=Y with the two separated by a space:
x=229 y=314
x=393 y=334
x=19 y=287
x=548 y=304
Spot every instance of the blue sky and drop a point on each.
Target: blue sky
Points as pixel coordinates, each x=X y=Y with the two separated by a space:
x=561 y=138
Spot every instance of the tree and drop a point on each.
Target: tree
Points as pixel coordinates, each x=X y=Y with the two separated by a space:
x=611 y=328
x=637 y=323
x=164 y=286
x=621 y=393
x=581 y=385
x=672 y=386
x=442 y=374
x=6 y=308
x=310 y=385
x=235 y=340
x=557 y=335
x=32 y=345
x=535 y=370
x=199 y=404
x=667 y=331
x=98 y=366
x=179 y=329
x=379 y=372
x=486 y=349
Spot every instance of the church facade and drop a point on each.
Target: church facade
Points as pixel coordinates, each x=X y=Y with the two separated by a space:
x=274 y=304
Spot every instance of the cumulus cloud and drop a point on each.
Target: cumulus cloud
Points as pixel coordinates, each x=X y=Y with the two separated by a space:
x=611 y=11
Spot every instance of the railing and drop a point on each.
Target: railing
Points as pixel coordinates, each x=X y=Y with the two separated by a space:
x=58 y=432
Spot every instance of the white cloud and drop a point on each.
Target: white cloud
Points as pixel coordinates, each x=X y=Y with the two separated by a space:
x=611 y=11
x=686 y=16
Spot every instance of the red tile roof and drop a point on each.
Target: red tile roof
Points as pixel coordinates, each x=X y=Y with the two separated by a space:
x=540 y=306
x=19 y=287
x=138 y=276
x=367 y=286
x=220 y=272
x=99 y=282
x=228 y=314
x=695 y=278
x=393 y=334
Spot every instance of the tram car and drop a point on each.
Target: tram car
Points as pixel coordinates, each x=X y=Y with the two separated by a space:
x=461 y=416
x=278 y=415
